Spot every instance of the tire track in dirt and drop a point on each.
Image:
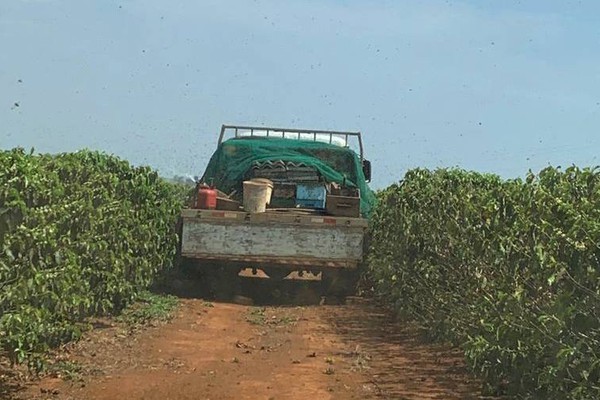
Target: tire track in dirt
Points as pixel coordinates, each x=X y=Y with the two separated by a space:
x=228 y=351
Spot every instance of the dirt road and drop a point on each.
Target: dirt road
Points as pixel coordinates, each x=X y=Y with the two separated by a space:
x=228 y=351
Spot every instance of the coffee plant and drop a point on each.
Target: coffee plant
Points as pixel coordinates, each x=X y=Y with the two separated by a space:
x=81 y=234
x=508 y=270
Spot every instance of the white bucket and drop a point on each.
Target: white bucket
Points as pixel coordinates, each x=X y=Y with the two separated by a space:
x=269 y=184
x=256 y=196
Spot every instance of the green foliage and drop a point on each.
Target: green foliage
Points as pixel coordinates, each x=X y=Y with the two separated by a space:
x=509 y=270
x=149 y=307
x=257 y=316
x=67 y=370
x=80 y=234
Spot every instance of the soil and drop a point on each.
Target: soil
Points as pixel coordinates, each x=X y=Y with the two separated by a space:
x=277 y=351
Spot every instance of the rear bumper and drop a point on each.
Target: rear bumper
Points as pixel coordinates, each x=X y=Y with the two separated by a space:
x=291 y=263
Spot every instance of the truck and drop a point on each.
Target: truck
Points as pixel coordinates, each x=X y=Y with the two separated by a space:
x=317 y=217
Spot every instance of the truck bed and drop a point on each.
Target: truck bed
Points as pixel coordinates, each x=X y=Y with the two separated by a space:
x=293 y=239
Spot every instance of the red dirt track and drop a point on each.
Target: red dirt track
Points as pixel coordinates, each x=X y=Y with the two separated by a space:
x=227 y=351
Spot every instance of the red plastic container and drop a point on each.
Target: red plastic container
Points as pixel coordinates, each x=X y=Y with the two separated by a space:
x=207 y=197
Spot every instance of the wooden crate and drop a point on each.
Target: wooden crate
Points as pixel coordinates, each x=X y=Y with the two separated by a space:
x=345 y=191
x=343 y=206
x=227 y=204
x=284 y=190
x=284 y=195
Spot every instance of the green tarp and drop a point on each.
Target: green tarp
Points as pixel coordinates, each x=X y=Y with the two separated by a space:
x=232 y=163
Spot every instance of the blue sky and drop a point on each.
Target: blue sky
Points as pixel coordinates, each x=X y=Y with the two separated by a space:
x=494 y=86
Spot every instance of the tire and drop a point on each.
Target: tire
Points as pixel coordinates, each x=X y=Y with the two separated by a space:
x=338 y=284
x=223 y=281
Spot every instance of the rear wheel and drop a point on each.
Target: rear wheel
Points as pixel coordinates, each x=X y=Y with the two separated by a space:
x=336 y=285
x=223 y=281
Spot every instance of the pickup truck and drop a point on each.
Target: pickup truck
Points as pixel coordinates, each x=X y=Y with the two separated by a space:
x=290 y=236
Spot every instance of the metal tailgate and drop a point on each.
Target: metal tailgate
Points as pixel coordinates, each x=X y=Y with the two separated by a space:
x=286 y=238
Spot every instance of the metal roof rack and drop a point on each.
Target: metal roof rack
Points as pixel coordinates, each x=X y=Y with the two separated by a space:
x=299 y=134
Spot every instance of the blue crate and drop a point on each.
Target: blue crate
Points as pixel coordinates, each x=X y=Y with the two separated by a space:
x=311 y=195
x=307 y=203
x=311 y=192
